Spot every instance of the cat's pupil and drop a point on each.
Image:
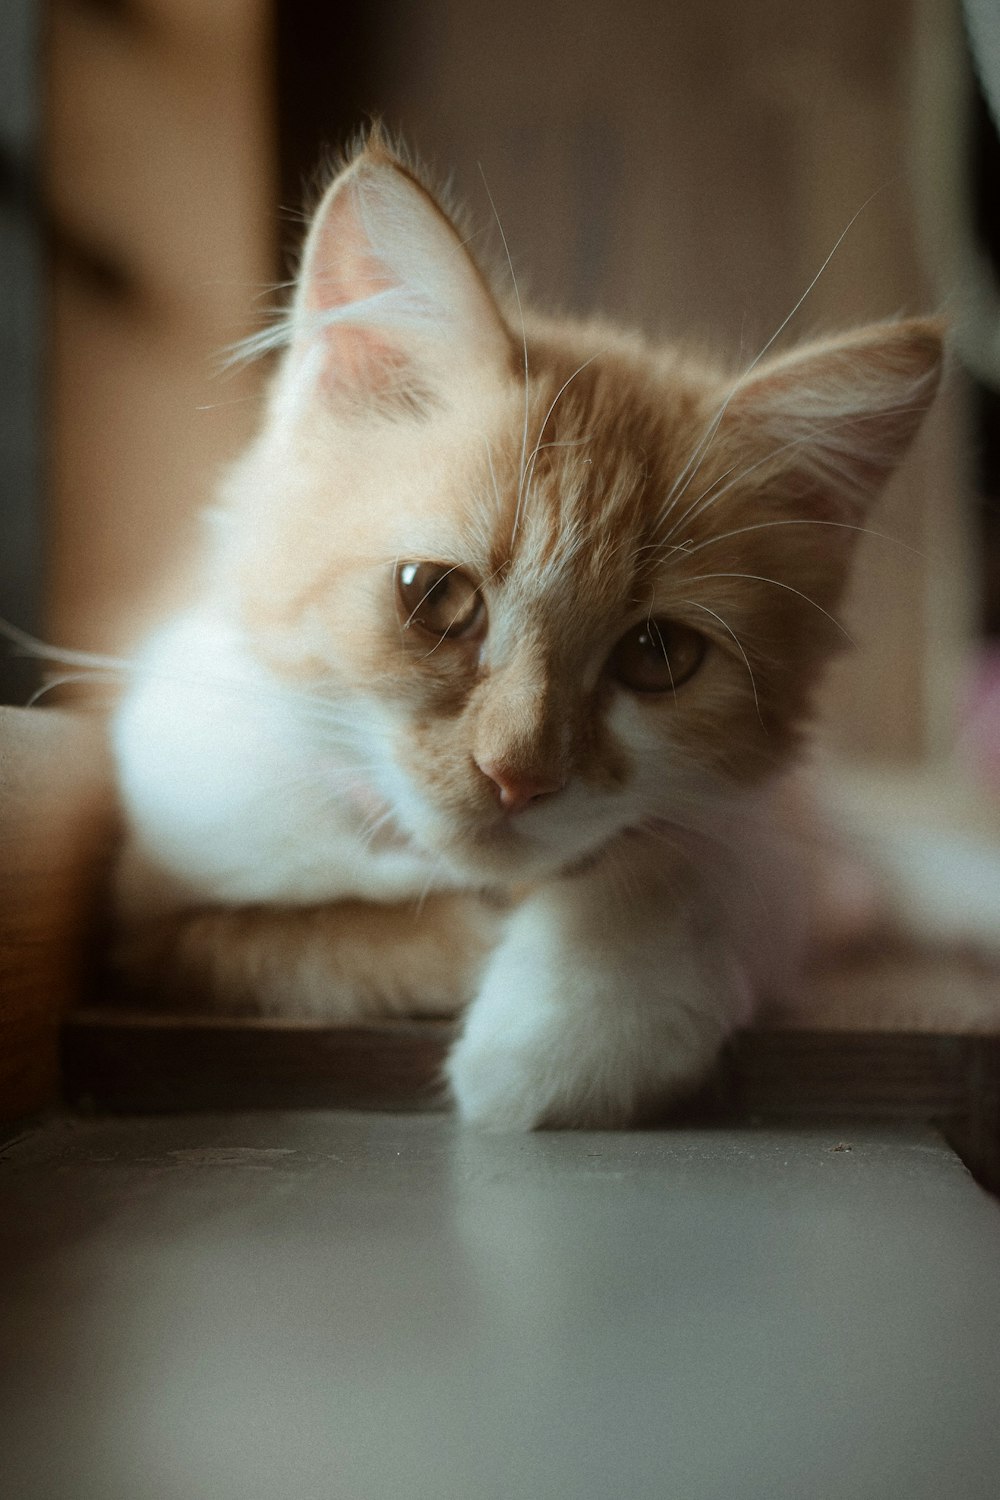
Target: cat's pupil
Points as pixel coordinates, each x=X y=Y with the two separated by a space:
x=439 y=599
x=657 y=656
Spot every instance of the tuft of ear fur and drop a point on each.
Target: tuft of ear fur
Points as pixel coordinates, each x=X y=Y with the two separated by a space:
x=837 y=416
x=389 y=305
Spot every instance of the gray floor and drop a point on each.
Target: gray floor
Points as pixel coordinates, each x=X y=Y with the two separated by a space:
x=347 y=1307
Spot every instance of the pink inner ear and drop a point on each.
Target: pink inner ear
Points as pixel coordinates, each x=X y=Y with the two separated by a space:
x=389 y=297
x=342 y=270
x=342 y=265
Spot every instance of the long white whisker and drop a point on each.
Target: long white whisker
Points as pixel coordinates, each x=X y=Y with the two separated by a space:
x=428 y=886
x=778 y=584
x=524 y=347
x=819 y=430
x=724 y=536
x=410 y=617
x=493 y=472
x=654 y=629
x=530 y=468
x=68 y=678
x=29 y=645
x=373 y=827
x=444 y=635
x=106 y=668
x=837 y=244
x=739 y=646
x=687 y=473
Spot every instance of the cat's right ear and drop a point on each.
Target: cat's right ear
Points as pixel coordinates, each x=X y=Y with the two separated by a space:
x=390 y=310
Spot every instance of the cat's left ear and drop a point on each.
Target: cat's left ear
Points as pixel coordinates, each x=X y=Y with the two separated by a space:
x=389 y=306
x=836 y=417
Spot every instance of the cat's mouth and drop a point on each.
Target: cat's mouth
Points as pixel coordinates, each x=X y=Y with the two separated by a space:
x=495 y=851
x=518 y=849
x=484 y=844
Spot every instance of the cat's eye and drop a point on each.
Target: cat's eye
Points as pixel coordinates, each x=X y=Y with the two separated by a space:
x=657 y=656
x=439 y=600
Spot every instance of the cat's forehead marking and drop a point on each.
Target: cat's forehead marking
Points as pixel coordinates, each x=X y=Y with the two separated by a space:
x=578 y=518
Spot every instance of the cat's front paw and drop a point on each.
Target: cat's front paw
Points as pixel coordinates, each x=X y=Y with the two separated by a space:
x=574 y=1066
x=580 y=1024
x=504 y=1083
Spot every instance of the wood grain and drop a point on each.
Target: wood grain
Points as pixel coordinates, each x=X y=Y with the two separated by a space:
x=127 y=1062
x=55 y=822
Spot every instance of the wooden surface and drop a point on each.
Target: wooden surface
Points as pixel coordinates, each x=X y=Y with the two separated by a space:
x=55 y=818
x=335 y=1306
x=131 y=1061
x=128 y=1062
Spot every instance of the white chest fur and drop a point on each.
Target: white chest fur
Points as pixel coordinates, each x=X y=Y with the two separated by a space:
x=236 y=791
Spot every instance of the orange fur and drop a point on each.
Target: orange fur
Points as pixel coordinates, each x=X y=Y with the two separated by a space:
x=355 y=958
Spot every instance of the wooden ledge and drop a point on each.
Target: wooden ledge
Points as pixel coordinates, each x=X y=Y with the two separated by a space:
x=130 y=1061
x=122 y=1062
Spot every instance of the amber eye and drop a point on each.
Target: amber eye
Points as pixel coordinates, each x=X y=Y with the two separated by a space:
x=657 y=656
x=438 y=599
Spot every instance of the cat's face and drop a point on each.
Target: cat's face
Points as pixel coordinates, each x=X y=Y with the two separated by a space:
x=565 y=605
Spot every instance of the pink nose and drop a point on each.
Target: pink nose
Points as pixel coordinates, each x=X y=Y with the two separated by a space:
x=517 y=791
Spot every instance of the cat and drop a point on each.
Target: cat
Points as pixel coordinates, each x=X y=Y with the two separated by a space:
x=504 y=649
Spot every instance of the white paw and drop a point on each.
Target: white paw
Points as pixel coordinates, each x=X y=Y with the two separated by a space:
x=581 y=1023
x=596 y=1066
x=510 y=1078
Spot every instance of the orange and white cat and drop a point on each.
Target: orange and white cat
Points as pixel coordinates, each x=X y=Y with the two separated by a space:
x=505 y=641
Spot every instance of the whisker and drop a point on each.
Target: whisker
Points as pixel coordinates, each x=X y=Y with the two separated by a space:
x=29 y=645
x=815 y=433
x=724 y=536
x=409 y=619
x=530 y=470
x=67 y=679
x=107 y=668
x=428 y=885
x=654 y=630
x=778 y=584
x=524 y=346
x=707 y=498
x=493 y=472
x=837 y=244
x=687 y=473
x=566 y=442
x=739 y=645
x=444 y=636
x=371 y=828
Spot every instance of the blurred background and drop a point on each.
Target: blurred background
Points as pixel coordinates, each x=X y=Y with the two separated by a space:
x=685 y=166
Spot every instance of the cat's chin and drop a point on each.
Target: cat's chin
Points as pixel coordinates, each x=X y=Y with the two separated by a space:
x=504 y=854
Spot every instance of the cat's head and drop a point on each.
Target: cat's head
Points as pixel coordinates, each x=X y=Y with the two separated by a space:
x=570 y=583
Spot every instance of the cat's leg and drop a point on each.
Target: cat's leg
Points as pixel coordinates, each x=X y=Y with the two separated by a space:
x=344 y=962
x=600 y=1002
